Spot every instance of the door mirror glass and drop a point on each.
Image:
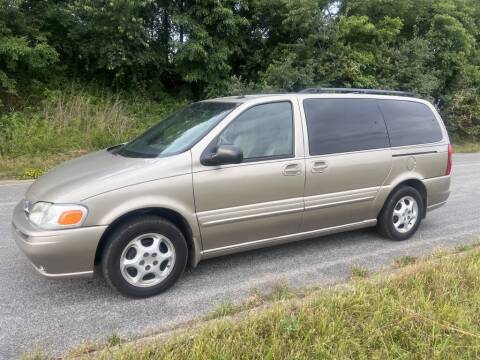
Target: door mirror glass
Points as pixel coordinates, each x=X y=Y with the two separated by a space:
x=223 y=155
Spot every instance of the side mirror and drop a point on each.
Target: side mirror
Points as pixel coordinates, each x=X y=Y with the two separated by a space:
x=224 y=154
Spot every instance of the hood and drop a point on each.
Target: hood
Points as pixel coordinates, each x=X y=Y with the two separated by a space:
x=100 y=172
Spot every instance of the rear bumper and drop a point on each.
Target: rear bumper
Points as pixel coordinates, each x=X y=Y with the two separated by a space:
x=438 y=191
x=57 y=253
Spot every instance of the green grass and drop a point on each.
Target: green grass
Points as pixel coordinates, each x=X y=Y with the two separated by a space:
x=427 y=309
x=405 y=261
x=71 y=122
x=466 y=147
x=32 y=166
x=34 y=355
x=223 y=309
x=278 y=291
x=114 y=340
x=359 y=272
x=467 y=247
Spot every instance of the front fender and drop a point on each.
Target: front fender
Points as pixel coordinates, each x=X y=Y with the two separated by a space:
x=174 y=193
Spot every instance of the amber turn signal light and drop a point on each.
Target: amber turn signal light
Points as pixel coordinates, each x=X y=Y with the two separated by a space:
x=70 y=217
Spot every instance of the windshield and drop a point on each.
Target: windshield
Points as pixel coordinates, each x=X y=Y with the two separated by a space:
x=179 y=132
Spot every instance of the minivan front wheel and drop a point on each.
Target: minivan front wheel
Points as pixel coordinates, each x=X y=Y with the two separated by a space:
x=147 y=260
x=144 y=256
x=402 y=214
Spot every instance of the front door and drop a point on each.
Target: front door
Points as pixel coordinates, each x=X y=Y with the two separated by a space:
x=262 y=197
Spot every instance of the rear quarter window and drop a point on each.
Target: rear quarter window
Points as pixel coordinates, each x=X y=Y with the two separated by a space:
x=344 y=125
x=410 y=123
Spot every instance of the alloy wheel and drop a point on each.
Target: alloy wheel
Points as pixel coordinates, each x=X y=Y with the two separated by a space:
x=147 y=260
x=405 y=214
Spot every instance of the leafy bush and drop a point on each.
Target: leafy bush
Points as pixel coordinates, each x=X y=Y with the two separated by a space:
x=25 y=54
x=463 y=113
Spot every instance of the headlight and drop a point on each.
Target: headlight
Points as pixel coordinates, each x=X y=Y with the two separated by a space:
x=56 y=216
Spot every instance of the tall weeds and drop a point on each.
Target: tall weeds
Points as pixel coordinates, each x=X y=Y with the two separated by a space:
x=74 y=120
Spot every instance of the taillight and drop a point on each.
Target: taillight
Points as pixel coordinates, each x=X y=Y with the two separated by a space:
x=449 y=161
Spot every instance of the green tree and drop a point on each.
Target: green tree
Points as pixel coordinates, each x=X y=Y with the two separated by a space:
x=25 y=55
x=110 y=40
x=208 y=38
x=360 y=52
x=463 y=113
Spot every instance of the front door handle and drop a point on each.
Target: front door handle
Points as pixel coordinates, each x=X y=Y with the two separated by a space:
x=292 y=170
x=319 y=166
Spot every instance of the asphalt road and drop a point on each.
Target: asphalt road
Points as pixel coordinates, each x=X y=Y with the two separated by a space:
x=54 y=315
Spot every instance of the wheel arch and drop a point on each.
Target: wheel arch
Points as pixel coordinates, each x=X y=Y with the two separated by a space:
x=417 y=184
x=171 y=215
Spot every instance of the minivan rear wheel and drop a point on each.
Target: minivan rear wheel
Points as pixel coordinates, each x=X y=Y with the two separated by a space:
x=144 y=256
x=402 y=214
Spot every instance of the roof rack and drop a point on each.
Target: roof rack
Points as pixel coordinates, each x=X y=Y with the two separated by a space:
x=321 y=90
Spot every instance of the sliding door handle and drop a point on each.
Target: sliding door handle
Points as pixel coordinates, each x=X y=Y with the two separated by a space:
x=319 y=166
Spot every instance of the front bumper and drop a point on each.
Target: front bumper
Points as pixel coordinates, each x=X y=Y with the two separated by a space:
x=57 y=253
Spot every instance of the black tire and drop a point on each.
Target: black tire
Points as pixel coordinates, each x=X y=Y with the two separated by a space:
x=121 y=237
x=385 y=224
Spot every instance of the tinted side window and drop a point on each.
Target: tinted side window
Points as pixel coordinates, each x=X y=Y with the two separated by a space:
x=410 y=123
x=344 y=125
x=263 y=131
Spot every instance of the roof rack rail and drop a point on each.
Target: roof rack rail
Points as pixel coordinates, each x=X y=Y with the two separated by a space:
x=321 y=90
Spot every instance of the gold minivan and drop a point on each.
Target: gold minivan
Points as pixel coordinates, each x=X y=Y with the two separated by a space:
x=237 y=173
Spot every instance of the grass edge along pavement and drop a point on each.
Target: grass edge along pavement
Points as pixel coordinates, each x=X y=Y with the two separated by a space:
x=420 y=308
